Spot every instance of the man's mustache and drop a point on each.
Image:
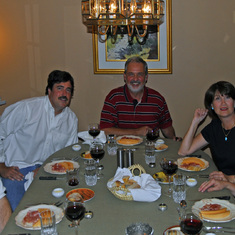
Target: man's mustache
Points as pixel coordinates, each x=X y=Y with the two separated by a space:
x=63 y=98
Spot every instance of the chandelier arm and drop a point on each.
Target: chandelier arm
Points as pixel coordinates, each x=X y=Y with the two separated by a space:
x=103 y=32
x=132 y=30
x=115 y=30
x=101 y=39
x=143 y=34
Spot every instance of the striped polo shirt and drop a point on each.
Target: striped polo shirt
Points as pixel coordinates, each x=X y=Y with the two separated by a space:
x=122 y=111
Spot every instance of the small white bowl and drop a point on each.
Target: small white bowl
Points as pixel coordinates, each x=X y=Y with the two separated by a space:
x=160 y=141
x=191 y=182
x=58 y=192
x=76 y=147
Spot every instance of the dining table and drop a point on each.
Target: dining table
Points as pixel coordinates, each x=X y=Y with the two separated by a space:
x=111 y=215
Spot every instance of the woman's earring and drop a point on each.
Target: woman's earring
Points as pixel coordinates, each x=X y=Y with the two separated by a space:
x=212 y=108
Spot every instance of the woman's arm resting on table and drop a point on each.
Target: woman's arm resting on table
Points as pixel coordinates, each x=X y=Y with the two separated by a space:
x=219 y=175
x=190 y=143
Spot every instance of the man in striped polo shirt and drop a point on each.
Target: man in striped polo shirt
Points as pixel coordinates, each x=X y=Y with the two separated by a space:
x=134 y=108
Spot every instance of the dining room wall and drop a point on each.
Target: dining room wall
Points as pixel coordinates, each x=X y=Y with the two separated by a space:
x=38 y=36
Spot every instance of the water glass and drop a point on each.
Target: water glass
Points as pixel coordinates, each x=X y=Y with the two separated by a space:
x=179 y=188
x=72 y=177
x=112 y=145
x=90 y=172
x=150 y=152
x=48 y=223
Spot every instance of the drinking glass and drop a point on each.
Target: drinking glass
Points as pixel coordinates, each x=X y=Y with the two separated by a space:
x=94 y=130
x=97 y=153
x=152 y=135
x=74 y=211
x=190 y=224
x=169 y=167
x=72 y=177
x=48 y=223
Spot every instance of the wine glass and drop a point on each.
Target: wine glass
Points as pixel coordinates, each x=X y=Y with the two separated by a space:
x=97 y=153
x=190 y=224
x=169 y=167
x=94 y=130
x=74 y=211
x=152 y=135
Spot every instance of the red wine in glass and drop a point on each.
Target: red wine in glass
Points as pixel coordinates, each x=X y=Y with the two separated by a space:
x=152 y=135
x=169 y=167
x=74 y=211
x=73 y=182
x=191 y=224
x=97 y=154
x=94 y=132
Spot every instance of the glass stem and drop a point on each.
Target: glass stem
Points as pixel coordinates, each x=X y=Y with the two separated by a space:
x=169 y=179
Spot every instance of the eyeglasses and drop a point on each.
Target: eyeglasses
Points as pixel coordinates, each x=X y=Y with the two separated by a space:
x=138 y=75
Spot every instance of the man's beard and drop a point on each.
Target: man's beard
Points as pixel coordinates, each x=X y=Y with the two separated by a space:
x=135 y=90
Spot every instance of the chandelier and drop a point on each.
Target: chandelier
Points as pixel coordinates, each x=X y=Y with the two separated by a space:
x=131 y=17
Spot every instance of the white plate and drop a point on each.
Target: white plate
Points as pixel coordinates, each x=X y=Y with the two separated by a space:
x=156 y=150
x=48 y=166
x=180 y=160
x=59 y=214
x=196 y=209
x=175 y=230
x=129 y=136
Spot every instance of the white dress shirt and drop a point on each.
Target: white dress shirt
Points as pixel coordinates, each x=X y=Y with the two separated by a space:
x=30 y=132
x=2 y=190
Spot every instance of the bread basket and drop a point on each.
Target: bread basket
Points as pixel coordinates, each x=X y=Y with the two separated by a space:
x=125 y=194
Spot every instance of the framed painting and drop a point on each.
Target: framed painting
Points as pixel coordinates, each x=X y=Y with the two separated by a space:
x=110 y=58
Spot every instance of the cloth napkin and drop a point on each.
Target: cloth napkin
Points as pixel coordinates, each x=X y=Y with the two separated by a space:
x=88 y=139
x=29 y=179
x=150 y=189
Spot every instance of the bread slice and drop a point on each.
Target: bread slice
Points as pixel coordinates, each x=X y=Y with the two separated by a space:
x=215 y=215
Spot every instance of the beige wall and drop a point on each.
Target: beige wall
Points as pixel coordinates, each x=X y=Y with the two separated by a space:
x=38 y=36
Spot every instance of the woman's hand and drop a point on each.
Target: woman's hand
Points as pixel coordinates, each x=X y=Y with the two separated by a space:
x=199 y=115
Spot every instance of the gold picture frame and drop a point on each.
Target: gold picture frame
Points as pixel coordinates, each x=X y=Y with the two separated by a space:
x=162 y=64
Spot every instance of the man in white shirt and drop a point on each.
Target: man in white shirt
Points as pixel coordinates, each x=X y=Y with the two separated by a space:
x=33 y=129
x=4 y=208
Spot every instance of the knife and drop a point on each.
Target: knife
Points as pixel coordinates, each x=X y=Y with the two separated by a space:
x=50 y=178
x=219 y=229
x=220 y=197
x=20 y=234
x=194 y=155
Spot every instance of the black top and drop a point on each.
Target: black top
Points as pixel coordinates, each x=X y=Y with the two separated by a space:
x=223 y=152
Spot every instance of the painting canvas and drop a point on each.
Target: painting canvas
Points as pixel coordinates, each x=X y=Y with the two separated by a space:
x=110 y=58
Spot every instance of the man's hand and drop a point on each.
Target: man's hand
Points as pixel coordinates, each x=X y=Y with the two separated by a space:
x=11 y=173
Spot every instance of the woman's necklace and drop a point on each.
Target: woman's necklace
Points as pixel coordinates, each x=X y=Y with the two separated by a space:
x=226 y=135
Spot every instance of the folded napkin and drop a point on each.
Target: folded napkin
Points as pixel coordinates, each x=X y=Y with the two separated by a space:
x=150 y=189
x=29 y=179
x=88 y=139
